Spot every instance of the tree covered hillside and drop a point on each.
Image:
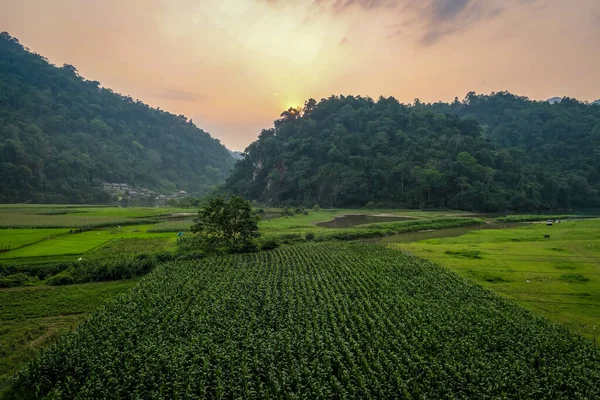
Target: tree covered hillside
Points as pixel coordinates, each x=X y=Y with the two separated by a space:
x=61 y=136
x=352 y=151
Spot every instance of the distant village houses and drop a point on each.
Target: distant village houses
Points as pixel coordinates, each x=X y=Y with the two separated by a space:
x=129 y=191
x=114 y=187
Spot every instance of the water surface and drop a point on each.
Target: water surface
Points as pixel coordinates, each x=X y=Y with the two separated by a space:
x=348 y=221
x=446 y=232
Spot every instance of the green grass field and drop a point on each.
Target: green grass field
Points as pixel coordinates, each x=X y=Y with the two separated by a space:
x=558 y=277
x=33 y=317
x=15 y=238
x=64 y=245
x=52 y=216
x=79 y=243
x=134 y=246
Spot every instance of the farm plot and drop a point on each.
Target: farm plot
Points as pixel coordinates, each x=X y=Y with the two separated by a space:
x=14 y=238
x=133 y=246
x=172 y=226
x=313 y=321
x=12 y=216
x=80 y=243
x=58 y=246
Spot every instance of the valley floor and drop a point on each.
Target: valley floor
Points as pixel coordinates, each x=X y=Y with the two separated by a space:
x=313 y=320
x=45 y=246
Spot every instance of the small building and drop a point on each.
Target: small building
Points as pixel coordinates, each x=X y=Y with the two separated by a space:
x=107 y=186
x=123 y=186
x=133 y=193
x=115 y=186
x=161 y=199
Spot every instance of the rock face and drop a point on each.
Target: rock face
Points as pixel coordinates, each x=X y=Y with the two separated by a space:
x=554 y=100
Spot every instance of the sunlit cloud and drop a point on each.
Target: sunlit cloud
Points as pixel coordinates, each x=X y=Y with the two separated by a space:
x=235 y=65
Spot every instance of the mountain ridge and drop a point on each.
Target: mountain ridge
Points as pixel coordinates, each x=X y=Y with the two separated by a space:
x=496 y=153
x=62 y=136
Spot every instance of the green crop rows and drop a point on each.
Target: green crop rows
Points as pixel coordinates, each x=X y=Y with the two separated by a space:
x=318 y=320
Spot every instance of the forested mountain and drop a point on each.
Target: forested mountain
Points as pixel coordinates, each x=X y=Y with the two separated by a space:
x=237 y=155
x=489 y=153
x=61 y=136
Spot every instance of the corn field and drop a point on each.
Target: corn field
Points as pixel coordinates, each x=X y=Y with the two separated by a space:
x=318 y=320
x=172 y=226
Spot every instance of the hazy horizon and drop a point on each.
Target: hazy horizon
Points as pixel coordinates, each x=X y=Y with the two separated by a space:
x=234 y=65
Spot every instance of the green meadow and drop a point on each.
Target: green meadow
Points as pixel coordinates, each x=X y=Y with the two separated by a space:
x=53 y=216
x=33 y=317
x=558 y=277
x=79 y=243
x=15 y=238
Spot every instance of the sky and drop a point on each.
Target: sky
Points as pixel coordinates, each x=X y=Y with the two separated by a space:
x=234 y=65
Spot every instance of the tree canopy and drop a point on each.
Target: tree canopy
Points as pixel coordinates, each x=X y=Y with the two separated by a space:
x=231 y=223
x=61 y=136
x=489 y=153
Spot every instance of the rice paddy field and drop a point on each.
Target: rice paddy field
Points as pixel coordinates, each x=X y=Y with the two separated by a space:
x=79 y=243
x=11 y=239
x=57 y=216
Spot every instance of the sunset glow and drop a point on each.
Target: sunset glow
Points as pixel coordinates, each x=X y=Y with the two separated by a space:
x=234 y=65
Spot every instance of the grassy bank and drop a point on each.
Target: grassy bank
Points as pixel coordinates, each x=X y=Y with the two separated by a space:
x=557 y=277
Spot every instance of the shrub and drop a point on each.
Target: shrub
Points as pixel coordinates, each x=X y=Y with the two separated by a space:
x=465 y=253
x=269 y=244
x=14 y=280
x=309 y=236
x=64 y=278
x=247 y=247
x=574 y=278
x=191 y=255
x=37 y=271
x=288 y=238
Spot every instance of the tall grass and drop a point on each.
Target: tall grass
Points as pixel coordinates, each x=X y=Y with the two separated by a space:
x=533 y=218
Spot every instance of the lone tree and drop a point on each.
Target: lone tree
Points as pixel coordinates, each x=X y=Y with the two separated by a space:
x=230 y=223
